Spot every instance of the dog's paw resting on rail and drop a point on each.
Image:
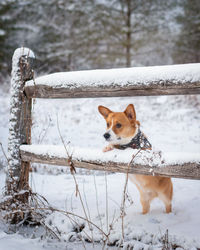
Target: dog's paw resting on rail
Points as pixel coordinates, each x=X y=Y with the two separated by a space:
x=108 y=148
x=123 y=131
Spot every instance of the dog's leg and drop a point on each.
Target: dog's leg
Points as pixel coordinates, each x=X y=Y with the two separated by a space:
x=145 y=205
x=168 y=208
x=166 y=197
x=145 y=198
x=167 y=202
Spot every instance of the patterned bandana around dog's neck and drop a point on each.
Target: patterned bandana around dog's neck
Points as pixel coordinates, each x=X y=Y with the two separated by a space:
x=138 y=142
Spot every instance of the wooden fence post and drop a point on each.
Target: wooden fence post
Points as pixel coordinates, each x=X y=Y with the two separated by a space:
x=19 y=125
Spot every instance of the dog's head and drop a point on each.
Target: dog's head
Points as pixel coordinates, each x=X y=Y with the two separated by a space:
x=121 y=126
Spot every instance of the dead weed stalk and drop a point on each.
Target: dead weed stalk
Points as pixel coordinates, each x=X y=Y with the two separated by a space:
x=124 y=193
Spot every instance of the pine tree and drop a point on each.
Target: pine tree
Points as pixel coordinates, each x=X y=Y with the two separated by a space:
x=5 y=30
x=87 y=34
x=187 y=47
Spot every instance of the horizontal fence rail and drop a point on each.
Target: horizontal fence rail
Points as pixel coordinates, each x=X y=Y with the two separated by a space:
x=56 y=155
x=181 y=79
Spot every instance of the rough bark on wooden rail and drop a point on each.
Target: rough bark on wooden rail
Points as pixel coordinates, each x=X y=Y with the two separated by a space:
x=180 y=79
x=42 y=91
x=186 y=170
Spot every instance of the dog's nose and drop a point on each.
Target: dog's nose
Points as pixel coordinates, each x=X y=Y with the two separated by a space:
x=106 y=136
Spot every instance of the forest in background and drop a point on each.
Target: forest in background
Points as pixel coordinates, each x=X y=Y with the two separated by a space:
x=88 y=34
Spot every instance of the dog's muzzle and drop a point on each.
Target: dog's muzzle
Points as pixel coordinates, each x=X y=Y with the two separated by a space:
x=106 y=136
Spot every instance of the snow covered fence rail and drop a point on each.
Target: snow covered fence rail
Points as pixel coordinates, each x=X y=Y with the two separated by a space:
x=171 y=165
x=138 y=81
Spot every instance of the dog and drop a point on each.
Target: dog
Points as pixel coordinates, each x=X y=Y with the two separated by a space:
x=123 y=130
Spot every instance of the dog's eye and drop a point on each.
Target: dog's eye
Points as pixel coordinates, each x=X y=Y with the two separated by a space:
x=118 y=125
x=108 y=124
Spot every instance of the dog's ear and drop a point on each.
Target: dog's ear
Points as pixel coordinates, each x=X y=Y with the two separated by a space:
x=104 y=111
x=130 y=113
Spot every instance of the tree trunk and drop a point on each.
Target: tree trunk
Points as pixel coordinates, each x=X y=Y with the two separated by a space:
x=128 y=34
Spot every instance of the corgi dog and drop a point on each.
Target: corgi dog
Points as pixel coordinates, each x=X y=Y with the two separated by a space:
x=123 y=130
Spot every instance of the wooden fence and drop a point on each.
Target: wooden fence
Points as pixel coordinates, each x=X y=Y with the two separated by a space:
x=145 y=81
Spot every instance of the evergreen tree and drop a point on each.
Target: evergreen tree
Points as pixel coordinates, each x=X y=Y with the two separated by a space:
x=87 y=34
x=187 y=47
x=5 y=31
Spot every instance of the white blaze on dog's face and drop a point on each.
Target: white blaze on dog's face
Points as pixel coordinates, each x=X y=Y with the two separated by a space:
x=121 y=126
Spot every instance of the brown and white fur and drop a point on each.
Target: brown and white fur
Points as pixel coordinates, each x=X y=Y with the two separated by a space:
x=121 y=128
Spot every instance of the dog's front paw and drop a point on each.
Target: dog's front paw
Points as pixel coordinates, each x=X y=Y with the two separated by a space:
x=108 y=148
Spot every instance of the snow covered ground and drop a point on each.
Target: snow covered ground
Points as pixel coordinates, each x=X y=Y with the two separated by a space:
x=171 y=124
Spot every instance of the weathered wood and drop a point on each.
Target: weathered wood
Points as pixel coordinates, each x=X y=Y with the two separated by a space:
x=180 y=79
x=156 y=89
x=20 y=122
x=186 y=170
x=26 y=117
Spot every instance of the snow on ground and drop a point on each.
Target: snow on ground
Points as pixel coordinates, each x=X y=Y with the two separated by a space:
x=4 y=118
x=182 y=223
x=171 y=123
